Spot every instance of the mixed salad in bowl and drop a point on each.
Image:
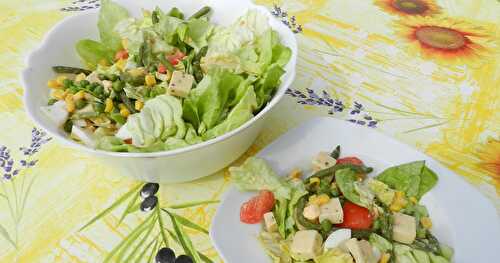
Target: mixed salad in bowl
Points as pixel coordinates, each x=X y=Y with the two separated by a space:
x=339 y=214
x=166 y=81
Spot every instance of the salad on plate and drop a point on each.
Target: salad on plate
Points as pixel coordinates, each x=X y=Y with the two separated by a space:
x=339 y=214
x=166 y=81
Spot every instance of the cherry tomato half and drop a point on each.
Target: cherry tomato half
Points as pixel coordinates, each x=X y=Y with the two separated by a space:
x=356 y=217
x=350 y=160
x=252 y=211
x=121 y=54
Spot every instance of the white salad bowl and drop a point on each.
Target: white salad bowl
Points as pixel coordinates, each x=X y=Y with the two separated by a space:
x=184 y=164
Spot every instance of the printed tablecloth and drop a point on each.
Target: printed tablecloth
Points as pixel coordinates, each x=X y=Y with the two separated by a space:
x=426 y=72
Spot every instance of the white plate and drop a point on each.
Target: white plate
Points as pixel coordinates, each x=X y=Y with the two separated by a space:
x=462 y=217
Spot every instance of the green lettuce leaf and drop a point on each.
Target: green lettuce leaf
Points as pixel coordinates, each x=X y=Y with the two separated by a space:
x=334 y=256
x=428 y=179
x=198 y=32
x=403 y=254
x=404 y=177
x=92 y=52
x=240 y=114
x=382 y=191
x=160 y=118
x=415 y=179
x=266 y=86
x=277 y=248
x=381 y=243
x=255 y=174
x=110 y=15
x=353 y=190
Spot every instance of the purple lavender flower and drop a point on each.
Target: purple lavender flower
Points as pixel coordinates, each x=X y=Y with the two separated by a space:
x=38 y=138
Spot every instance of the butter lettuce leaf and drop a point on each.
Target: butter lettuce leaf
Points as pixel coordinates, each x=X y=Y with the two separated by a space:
x=110 y=15
x=92 y=52
x=334 y=256
x=255 y=174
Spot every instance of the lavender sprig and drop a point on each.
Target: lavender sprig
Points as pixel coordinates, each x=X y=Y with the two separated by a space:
x=289 y=21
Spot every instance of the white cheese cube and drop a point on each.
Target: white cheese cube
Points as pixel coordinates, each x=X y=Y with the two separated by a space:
x=56 y=112
x=270 y=222
x=332 y=211
x=322 y=161
x=404 y=228
x=180 y=84
x=306 y=244
x=311 y=212
x=107 y=85
x=93 y=78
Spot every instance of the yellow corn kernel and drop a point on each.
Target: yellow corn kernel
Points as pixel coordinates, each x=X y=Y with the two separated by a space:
x=53 y=84
x=80 y=77
x=385 y=258
x=296 y=173
x=125 y=43
x=413 y=200
x=79 y=95
x=395 y=207
x=59 y=94
x=122 y=106
x=399 y=201
x=60 y=80
x=103 y=62
x=70 y=103
x=108 y=105
x=312 y=198
x=138 y=104
x=323 y=199
x=121 y=63
x=314 y=180
x=124 y=112
x=150 y=80
x=426 y=222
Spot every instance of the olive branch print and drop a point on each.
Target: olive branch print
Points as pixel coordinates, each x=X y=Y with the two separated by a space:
x=17 y=181
x=137 y=245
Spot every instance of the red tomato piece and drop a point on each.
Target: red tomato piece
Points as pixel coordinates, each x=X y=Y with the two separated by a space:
x=121 y=54
x=252 y=211
x=175 y=58
x=162 y=69
x=350 y=160
x=356 y=217
x=128 y=141
x=248 y=212
x=266 y=201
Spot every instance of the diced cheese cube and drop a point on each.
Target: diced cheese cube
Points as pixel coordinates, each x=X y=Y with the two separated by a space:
x=332 y=211
x=322 y=161
x=180 y=84
x=93 y=78
x=107 y=85
x=404 y=228
x=56 y=112
x=270 y=222
x=306 y=244
x=311 y=212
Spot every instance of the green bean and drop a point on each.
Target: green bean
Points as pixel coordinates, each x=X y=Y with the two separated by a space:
x=127 y=102
x=336 y=152
x=301 y=204
x=80 y=104
x=175 y=12
x=70 y=70
x=68 y=125
x=51 y=101
x=361 y=233
x=331 y=170
x=202 y=12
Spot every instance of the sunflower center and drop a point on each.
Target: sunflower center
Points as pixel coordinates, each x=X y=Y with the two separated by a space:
x=410 y=6
x=440 y=37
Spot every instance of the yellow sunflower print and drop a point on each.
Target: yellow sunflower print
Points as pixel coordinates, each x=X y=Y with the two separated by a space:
x=446 y=40
x=489 y=154
x=409 y=7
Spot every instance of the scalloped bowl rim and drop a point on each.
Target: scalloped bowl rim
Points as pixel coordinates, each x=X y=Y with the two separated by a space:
x=272 y=103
